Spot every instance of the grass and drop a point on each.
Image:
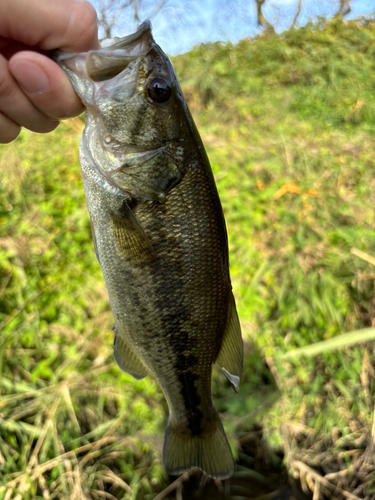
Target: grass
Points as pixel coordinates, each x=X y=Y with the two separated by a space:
x=288 y=123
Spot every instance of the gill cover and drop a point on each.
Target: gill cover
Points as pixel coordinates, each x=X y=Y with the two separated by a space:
x=134 y=135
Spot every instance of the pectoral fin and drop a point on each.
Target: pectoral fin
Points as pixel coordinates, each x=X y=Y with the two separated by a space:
x=126 y=358
x=230 y=358
x=130 y=238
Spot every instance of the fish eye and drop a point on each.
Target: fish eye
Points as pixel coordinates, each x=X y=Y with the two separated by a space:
x=159 y=90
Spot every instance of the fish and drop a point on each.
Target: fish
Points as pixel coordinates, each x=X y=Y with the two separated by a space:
x=160 y=238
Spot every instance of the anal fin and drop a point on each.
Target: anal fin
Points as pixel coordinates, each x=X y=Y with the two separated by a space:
x=230 y=358
x=126 y=359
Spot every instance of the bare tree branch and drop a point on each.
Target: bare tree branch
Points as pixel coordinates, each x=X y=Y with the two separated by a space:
x=298 y=11
x=110 y=12
x=136 y=5
x=344 y=9
x=157 y=8
x=262 y=21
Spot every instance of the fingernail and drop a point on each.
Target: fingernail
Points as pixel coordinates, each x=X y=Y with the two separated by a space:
x=31 y=78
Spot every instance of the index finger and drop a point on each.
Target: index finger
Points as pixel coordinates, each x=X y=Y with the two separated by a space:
x=69 y=25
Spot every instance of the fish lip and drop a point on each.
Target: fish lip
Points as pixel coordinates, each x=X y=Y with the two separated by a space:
x=146 y=27
x=129 y=39
x=105 y=63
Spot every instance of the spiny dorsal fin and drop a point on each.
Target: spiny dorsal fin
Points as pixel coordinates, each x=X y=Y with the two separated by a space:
x=126 y=358
x=131 y=240
x=230 y=358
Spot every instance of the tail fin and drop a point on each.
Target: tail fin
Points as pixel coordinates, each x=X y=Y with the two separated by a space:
x=209 y=451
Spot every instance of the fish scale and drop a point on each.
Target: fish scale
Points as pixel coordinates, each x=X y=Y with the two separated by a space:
x=160 y=238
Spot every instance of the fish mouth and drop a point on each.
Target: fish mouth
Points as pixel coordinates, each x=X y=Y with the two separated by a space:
x=105 y=63
x=144 y=28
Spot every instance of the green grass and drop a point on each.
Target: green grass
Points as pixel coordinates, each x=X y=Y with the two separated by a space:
x=288 y=123
x=289 y=128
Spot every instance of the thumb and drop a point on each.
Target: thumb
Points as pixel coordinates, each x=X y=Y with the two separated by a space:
x=45 y=84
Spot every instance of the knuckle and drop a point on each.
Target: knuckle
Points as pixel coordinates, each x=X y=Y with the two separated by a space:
x=6 y=85
x=86 y=23
x=90 y=13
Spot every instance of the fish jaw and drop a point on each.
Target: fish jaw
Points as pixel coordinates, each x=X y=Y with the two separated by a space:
x=103 y=64
x=113 y=83
x=137 y=144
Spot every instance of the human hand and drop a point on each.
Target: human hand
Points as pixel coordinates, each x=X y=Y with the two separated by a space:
x=34 y=90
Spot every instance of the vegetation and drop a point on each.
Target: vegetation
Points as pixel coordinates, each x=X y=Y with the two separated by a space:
x=288 y=122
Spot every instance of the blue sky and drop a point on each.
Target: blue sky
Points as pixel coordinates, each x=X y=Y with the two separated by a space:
x=182 y=24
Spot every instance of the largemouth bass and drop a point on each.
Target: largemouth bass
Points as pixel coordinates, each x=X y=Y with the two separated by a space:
x=160 y=238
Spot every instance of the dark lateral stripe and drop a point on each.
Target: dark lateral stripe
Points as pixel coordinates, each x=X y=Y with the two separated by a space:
x=191 y=400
